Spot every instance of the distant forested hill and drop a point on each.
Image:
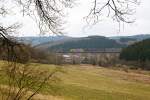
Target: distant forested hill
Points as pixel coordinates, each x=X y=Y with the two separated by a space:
x=137 y=37
x=35 y=41
x=88 y=43
x=40 y=40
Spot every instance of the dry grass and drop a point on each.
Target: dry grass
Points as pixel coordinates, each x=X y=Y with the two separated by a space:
x=86 y=82
x=47 y=97
x=36 y=97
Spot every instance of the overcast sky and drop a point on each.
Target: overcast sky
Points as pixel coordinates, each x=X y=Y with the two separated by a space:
x=76 y=26
x=108 y=27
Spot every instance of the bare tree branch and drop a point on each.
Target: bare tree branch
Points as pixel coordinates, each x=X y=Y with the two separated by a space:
x=119 y=10
x=49 y=14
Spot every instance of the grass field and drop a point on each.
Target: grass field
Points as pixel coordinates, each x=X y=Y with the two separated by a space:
x=85 y=82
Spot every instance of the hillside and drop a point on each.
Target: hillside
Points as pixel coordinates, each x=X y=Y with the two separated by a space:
x=46 y=45
x=45 y=40
x=59 y=42
x=90 y=43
